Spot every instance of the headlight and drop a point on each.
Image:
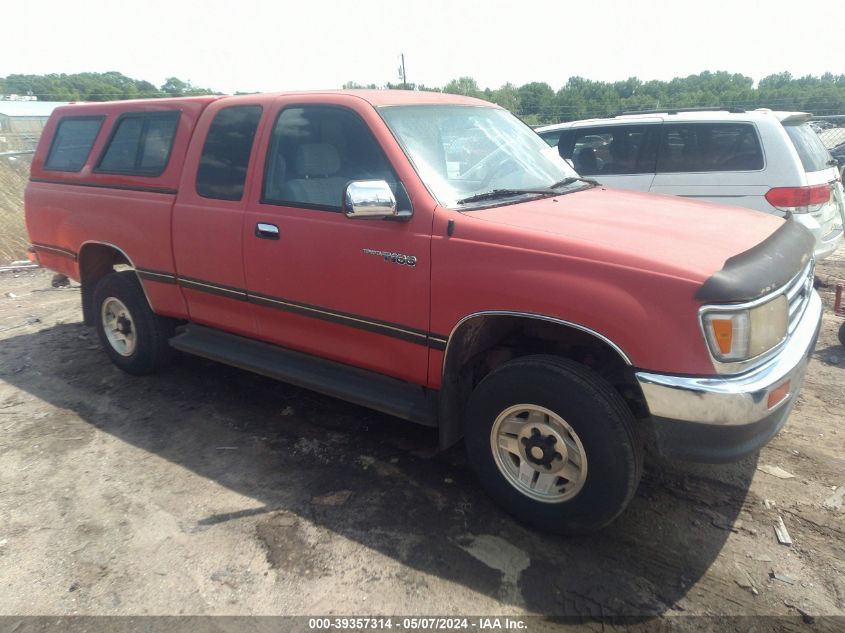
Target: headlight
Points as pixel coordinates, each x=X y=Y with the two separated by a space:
x=740 y=334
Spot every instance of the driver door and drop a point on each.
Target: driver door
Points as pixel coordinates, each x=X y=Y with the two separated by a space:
x=320 y=282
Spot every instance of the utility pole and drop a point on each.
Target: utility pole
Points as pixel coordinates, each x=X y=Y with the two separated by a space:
x=402 y=72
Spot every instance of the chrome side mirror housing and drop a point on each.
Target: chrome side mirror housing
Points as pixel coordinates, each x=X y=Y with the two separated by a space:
x=371 y=199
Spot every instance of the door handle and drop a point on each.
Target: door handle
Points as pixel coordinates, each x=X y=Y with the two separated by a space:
x=267 y=231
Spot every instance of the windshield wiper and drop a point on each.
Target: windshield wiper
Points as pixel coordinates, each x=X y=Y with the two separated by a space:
x=571 y=179
x=502 y=193
x=545 y=191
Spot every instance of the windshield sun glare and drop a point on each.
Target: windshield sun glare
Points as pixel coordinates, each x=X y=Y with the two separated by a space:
x=461 y=152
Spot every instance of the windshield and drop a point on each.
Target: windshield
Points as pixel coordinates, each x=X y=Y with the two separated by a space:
x=463 y=151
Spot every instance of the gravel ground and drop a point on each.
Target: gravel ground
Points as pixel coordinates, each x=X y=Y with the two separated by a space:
x=206 y=490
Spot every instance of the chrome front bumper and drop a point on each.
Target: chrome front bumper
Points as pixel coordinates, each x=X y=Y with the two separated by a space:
x=736 y=408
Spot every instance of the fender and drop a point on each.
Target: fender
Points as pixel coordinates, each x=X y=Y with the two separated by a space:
x=88 y=288
x=460 y=348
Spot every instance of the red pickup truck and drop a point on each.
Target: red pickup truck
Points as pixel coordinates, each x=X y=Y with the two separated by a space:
x=428 y=256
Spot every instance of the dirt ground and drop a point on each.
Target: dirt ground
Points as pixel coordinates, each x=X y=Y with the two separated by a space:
x=207 y=490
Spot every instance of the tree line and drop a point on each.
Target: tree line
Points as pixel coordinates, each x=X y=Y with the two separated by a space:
x=535 y=102
x=110 y=86
x=580 y=98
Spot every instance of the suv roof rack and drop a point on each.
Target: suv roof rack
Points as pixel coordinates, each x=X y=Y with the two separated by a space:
x=676 y=110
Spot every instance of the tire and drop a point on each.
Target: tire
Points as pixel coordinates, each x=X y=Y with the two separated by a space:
x=134 y=337
x=842 y=334
x=573 y=405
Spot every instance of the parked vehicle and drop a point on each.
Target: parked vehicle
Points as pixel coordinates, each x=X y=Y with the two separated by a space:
x=838 y=154
x=763 y=160
x=819 y=126
x=344 y=242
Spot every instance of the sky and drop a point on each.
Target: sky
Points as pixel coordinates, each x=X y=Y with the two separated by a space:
x=248 y=45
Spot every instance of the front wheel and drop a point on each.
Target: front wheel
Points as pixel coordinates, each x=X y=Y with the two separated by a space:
x=134 y=337
x=554 y=444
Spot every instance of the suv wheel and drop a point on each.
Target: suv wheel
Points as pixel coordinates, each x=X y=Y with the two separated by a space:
x=554 y=444
x=134 y=337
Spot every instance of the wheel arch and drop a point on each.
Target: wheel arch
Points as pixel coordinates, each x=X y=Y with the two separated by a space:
x=95 y=260
x=481 y=341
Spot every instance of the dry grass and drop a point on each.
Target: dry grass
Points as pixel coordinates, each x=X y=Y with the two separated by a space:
x=14 y=172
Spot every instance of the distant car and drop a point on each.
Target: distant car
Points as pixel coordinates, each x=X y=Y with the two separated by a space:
x=821 y=125
x=838 y=154
x=764 y=160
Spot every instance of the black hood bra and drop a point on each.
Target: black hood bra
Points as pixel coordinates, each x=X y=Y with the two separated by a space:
x=761 y=269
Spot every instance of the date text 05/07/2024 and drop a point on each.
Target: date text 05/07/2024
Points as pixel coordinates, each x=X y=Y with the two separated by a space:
x=417 y=624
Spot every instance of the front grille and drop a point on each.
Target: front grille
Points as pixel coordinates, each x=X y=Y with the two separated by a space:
x=798 y=293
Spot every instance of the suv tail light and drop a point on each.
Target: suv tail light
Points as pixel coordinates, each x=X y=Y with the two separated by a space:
x=799 y=199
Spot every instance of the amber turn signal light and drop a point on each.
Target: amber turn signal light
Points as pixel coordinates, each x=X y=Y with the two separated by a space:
x=723 y=334
x=778 y=394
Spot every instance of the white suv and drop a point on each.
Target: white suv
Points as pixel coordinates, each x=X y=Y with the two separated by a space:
x=761 y=159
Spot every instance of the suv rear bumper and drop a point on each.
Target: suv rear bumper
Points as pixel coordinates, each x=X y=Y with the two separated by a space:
x=720 y=419
x=828 y=237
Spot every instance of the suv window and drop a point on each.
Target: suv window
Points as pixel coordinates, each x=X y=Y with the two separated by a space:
x=73 y=142
x=551 y=137
x=225 y=154
x=617 y=149
x=315 y=151
x=140 y=144
x=686 y=147
x=812 y=152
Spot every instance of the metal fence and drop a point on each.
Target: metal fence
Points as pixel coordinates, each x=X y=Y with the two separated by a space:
x=15 y=143
x=831 y=130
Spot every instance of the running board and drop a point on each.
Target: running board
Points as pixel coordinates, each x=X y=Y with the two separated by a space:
x=359 y=386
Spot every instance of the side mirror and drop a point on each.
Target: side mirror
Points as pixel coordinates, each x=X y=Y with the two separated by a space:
x=369 y=199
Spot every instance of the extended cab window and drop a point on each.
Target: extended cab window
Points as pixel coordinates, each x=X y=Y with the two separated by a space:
x=73 y=142
x=691 y=147
x=140 y=144
x=315 y=151
x=616 y=149
x=225 y=154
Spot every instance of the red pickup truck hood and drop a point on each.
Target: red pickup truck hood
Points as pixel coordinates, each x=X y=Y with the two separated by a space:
x=666 y=234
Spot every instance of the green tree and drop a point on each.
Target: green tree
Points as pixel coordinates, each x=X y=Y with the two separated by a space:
x=507 y=96
x=174 y=87
x=466 y=86
x=536 y=98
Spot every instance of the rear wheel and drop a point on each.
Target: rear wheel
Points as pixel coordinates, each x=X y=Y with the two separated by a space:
x=134 y=337
x=554 y=444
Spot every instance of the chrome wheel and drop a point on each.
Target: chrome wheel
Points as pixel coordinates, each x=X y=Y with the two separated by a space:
x=538 y=453
x=118 y=326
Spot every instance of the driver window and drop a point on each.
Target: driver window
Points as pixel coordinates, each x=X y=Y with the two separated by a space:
x=315 y=151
